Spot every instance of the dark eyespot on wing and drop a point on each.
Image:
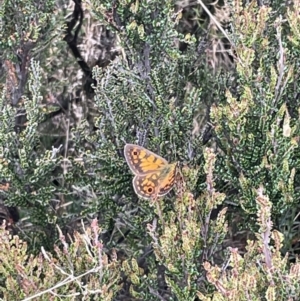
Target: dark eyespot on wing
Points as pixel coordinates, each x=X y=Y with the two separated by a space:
x=144 y=186
x=142 y=161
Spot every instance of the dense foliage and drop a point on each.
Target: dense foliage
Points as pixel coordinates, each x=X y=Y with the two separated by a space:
x=212 y=85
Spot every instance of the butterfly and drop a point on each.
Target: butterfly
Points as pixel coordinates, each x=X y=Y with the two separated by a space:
x=154 y=176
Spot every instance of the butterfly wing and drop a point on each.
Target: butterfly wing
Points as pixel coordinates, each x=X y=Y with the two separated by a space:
x=145 y=185
x=167 y=179
x=157 y=183
x=142 y=161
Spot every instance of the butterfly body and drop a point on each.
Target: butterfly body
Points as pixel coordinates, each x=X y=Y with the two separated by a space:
x=154 y=176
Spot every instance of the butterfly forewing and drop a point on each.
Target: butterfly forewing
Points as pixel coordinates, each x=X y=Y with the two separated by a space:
x=142 y=161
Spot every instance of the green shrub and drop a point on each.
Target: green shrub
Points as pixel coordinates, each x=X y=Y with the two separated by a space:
x=67 y=164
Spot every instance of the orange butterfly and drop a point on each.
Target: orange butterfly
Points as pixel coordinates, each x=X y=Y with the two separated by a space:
x=154 y=176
